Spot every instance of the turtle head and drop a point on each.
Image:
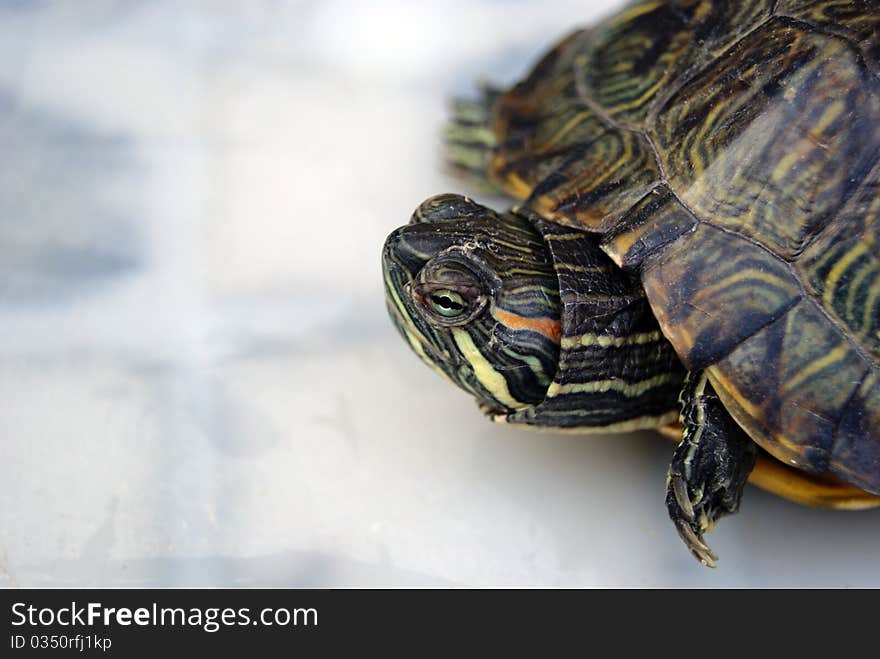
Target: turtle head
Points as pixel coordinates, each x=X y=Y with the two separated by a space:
x=474 y=294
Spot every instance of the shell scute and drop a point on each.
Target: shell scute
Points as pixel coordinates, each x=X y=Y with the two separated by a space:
x=857 y=444
x=711 y=290
x=754 y=143
x=789 y=383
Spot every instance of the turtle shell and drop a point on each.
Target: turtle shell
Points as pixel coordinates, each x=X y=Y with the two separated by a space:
x=730 y=154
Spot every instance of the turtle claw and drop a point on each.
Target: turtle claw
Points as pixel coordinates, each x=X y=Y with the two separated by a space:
x=689 y=523
x=695 y=543
x=679 y=489
x=685 y=527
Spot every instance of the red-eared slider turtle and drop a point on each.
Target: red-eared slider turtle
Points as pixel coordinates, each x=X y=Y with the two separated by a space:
x=698 y=238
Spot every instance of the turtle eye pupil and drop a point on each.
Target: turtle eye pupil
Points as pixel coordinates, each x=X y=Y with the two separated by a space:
x=447 y=303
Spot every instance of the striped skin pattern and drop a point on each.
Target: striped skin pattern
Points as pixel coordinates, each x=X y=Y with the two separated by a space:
x=505 y=349
x=729 y=154
x=564 y=339
x=617 y=371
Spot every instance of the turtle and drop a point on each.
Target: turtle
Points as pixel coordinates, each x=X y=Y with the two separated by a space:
x=692 y=244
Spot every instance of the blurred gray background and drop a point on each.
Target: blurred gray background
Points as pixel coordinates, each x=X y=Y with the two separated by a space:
x=199 y=383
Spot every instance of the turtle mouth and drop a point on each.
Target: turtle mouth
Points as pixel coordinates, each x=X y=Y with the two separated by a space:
x=402 y=324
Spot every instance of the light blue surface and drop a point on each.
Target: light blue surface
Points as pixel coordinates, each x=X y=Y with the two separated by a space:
x=199 y=382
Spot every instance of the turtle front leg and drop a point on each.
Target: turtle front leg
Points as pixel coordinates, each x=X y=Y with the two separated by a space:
x=709 y=468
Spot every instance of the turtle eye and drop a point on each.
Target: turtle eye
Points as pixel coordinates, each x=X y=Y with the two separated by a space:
x=448 y=293
x=445 y=306
x=448 y=304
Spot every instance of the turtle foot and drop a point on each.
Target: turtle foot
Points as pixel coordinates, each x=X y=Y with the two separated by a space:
x=709 y=468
